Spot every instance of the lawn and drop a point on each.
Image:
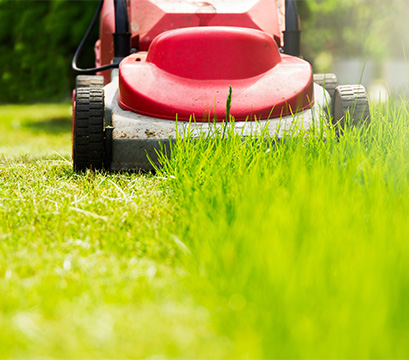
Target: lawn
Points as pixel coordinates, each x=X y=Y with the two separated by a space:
x=234 y=249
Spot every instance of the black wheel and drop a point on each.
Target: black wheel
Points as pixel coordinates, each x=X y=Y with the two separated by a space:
x=88 y=129
x=352 y=100
x=89 y=81
x=328 y=81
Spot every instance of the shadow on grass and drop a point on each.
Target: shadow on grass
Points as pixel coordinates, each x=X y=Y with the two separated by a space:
x=52 y=126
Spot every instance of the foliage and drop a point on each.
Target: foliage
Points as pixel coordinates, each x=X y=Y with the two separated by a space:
x=356 y=28
x=37 y=42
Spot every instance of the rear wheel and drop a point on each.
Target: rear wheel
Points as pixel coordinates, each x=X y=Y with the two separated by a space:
x=352 y=100
x=328 y=81
x=89 y=81
x=88 y=129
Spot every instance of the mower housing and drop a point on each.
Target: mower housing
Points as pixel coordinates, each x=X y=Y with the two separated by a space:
x=184 y=56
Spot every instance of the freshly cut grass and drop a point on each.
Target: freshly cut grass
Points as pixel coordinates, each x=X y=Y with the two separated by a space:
x=34 y=130
x=87 y=263
x=236 y=248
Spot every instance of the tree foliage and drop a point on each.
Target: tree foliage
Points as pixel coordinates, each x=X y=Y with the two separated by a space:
x=37 y=42
x=356 y=28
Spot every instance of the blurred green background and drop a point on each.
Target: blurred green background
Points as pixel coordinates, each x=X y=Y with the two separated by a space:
x=37 y=42
x=39 y=38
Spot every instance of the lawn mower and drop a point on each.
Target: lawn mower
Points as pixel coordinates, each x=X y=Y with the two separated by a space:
x=164 y=65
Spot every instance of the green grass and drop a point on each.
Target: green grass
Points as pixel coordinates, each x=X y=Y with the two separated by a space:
x=235 y=249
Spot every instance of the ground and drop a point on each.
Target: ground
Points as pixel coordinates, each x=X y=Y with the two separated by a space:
x=234 y=249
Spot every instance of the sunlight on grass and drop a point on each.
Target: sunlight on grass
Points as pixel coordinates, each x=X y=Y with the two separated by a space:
x=86 y=268
x=35 y=129
x=87 y=264
x=237 y=248
x=298 y=247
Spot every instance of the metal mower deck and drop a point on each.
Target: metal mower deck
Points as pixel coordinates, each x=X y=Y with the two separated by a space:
x=135 y=136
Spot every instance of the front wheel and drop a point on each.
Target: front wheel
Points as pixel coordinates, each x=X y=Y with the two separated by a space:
x=351 y=105
x=88 y=129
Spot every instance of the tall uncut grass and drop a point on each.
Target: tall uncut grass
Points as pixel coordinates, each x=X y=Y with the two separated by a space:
x=299 y=247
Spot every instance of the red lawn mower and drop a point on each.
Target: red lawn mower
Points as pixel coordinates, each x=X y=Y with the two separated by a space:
x=163 y=65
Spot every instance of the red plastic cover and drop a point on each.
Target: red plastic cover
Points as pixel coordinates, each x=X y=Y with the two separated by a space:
x=189 y=71
x=149 y=18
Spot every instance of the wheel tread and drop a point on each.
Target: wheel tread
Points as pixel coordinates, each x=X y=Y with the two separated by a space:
x=352 y=99
x=88 y=132
x=328 y=81
x=89 y=81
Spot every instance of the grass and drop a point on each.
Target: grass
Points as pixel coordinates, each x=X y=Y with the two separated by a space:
x=234 y=249
x=87 y=266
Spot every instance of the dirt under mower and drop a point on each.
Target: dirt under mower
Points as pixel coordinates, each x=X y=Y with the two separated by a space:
x=169 y=64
